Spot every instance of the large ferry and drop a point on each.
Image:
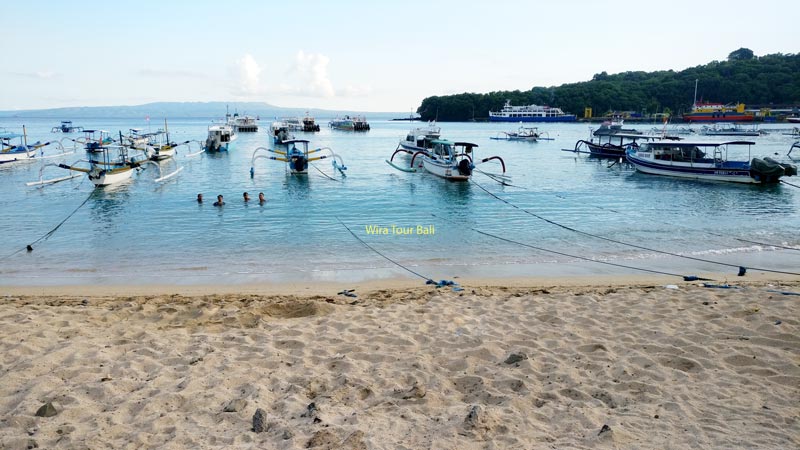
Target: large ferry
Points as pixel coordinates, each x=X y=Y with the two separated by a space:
x=716 y=112
x=530 y=113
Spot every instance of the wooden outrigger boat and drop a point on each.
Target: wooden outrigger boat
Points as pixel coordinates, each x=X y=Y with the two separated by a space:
x=20 y=151
x=298 y=159
x=449 y=160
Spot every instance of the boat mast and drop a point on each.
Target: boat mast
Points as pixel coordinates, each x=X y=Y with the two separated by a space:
x=695 y=93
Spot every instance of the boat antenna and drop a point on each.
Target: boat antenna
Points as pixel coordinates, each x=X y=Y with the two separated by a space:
x=695 y=92
x=166 y=129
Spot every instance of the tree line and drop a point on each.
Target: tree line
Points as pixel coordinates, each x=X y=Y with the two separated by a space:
x=766 y=81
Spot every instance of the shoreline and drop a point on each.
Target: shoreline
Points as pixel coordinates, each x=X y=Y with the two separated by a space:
x=316 y=288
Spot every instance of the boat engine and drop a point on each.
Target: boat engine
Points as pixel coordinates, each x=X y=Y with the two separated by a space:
x=790 y=170
x=766 y=170
x=465 y=167
x=299 y=163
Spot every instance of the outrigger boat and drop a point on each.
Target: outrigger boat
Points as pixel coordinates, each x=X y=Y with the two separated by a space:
x=156 y=146
x=530 y=134
x=689 y=160
x=104 y=169
x=14 y=152
x=94 y=141
x=611 y=141
x=66 y=127
x=730 y=129
x=421 y=138
x=298 y=159
x=10 y=152
x=449 y=160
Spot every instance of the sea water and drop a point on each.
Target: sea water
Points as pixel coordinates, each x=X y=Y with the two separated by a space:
x=144 y=232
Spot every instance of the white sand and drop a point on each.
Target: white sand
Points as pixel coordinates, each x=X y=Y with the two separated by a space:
x=403 y=367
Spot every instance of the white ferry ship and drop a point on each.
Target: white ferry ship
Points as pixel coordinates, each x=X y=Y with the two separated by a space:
x=530 y=113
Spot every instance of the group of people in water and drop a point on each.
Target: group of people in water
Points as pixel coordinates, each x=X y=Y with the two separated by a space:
x=245 y=196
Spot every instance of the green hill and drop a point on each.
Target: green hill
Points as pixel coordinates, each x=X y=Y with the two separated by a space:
x=769 y=80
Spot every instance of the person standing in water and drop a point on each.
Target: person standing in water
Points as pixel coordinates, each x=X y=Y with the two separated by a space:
x=219 y=201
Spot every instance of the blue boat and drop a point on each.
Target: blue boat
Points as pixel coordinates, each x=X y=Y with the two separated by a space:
x=10 y=152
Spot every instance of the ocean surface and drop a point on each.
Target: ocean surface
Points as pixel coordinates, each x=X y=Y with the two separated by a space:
x=143 y=232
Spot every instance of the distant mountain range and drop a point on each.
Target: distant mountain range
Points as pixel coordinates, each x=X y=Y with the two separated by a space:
x=187 y=110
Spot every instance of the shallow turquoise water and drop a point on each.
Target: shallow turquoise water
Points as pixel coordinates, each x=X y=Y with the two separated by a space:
x=144 y=232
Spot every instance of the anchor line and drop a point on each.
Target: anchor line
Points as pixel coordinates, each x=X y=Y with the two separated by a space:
x=47 y=235
x=324 y=174
x=790 y=184
x=574 y=230
x=511 y=241
x=381 y=254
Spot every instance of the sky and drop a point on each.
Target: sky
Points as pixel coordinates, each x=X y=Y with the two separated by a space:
x=358 y=55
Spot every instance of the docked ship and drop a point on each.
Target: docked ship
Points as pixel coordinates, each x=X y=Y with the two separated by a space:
x=530 y=113
x=717 y=112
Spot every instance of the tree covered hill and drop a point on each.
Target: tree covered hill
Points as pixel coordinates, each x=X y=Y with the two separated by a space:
x=743 y=77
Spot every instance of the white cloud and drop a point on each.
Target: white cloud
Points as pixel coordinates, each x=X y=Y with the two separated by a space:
x=311 y=72
x=248 y=76
x=40 y=75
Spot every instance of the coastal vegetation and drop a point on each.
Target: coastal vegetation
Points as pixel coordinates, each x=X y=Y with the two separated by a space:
x=763 y=81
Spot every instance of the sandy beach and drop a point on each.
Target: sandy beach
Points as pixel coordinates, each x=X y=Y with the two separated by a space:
x=624 y=363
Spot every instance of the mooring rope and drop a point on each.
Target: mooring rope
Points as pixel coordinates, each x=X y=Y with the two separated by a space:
x=324 y=174
x=584 y=258
x=427 y=279
x=574 y=230
x=790 y=184
x=47 y=235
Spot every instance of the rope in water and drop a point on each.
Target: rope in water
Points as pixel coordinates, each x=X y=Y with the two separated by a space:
x=47 y=235
x=381 y=254
x=790 y=184
x=574 y=230
x=511 y=241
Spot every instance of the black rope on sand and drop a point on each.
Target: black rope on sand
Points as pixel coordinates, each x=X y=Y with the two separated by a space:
x=709 y=261
x=47 y=235
x=511 y=241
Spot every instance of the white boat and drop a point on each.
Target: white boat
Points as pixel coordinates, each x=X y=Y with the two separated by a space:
x=156 y=146
x=530 y=134
x=309 y=125
x=220 y=137
x=243 y=124
x=298 y=159
x=449 y=160
x=530 y=113
x=66 y=127
x=10 y=152
x=730 y=129
x=420 y=138
x=280 y=132
x=347 y=123
x=292 y=123
x=705 y=161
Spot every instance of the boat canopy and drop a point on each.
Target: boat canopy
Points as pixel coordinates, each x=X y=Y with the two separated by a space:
x=465 y=144
x=296 y=141
x=703 y=144
x=9 y=135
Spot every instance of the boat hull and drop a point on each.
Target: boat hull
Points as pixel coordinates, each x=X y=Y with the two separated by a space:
x=567 y=118
x=698 y=171
x=109 y=177
x=445 y=171
x=8 y=157
x=718 y=117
